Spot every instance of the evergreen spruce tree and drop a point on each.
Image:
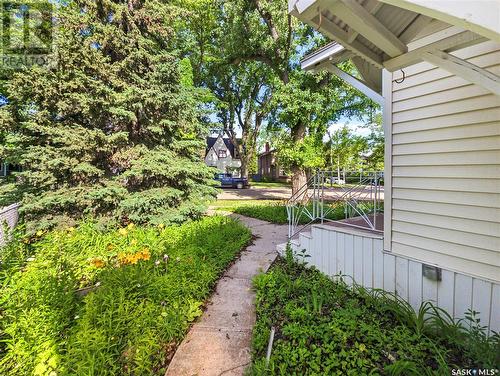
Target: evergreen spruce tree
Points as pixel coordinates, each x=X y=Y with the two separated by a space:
x=111 y=129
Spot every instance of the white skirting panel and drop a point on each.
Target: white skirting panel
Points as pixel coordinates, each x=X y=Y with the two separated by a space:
x=360 y=255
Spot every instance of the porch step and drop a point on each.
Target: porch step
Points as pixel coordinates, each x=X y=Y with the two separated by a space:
x=281 y=248
x=306 y=234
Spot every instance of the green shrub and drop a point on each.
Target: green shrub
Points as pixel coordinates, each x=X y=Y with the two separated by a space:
x=325 y=327
x=88 y=302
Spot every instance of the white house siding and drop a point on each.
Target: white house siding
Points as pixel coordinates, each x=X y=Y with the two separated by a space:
x=445 y=175
x=360 y=255
x=9 y=216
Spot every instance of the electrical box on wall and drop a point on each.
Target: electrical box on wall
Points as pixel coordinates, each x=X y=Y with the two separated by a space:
x=431 y=272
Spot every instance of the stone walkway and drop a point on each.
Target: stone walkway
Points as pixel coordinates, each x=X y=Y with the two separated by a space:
x=219 y=343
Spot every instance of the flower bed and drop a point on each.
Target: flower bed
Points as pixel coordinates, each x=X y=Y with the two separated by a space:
x=327 y=328
x=88 y=302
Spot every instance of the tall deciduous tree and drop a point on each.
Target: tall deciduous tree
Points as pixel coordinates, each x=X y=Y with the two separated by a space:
x=242 y=105
x=113 y=128
x=301 y=104
x=241 y=92
x=345 y=150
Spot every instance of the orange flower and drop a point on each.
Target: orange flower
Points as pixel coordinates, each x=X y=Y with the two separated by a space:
x=145 y=254
x=134 y=258
x=122 y=258
x=98 y=263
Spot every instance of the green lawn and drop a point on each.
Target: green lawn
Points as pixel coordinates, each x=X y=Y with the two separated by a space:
x=327 y=328
x=261 y=184
x=92 y=302
x=272 y=210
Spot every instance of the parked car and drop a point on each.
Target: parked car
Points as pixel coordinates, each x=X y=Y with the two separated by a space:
x=335 y=180
x=219 y=176
x=228 y=181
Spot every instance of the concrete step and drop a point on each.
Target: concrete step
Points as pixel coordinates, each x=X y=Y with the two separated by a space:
x=281 y=248
x=306 y=234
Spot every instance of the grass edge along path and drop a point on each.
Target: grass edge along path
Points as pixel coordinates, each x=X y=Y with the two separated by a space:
x=83 y=301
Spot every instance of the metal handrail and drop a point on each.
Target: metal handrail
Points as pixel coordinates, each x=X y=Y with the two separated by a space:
x=311 y=200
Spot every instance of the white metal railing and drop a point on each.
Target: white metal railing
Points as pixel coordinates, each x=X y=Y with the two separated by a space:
x=325 y=195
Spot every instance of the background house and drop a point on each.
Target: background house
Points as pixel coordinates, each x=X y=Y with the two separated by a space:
x=221 y=154
x=434 y=67
x=268 y=166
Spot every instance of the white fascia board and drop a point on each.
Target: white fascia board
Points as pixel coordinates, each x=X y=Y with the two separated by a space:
x=307 y=9
x=291 y=6
x=309 y=61
x=481 y=17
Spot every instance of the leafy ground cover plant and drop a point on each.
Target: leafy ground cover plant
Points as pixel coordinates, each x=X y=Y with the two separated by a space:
x=274 y=210
x=325 y=327
x=91 y=302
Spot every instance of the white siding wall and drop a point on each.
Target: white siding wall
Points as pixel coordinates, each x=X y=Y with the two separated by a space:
x=361 y=256
x=445 y=170
x=9 y=216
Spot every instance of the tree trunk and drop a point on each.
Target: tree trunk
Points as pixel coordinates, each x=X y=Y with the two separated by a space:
x=299 y=178
x=338 y=170
x=244 y=166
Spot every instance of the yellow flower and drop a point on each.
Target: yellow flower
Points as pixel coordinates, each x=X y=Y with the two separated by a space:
x=123 y=231
x=130 y=226
x=122 y=258
x=133 y=241
x=110 y=247
x=39 y=233
x=98 y=263
x=161 y=226
x=145 y=254
x=134 y=258
x=71 y=229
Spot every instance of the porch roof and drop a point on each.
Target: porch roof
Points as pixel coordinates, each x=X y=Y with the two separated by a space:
x=394 y=34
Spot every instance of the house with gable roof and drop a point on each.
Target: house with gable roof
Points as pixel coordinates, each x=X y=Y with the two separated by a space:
x=221 y=153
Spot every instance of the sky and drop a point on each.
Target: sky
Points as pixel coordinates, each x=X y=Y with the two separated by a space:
x=356 y=125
